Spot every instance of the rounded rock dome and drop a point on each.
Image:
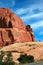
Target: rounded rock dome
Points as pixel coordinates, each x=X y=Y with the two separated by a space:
x=12 y=28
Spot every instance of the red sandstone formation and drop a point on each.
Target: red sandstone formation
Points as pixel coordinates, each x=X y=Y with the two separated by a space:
x=12 y=28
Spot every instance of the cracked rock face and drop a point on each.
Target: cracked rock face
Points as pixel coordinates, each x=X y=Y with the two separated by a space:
x=12 y=28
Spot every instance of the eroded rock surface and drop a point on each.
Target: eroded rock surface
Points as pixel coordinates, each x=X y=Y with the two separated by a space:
x=35 y=49
x=12 y=28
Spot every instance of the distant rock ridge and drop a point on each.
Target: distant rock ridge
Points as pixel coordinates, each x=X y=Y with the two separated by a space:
x=12 y=28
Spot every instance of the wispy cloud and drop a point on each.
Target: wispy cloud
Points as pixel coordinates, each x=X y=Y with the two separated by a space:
x=7 y=3
x=33 y=11
x=31 y=15
x=37 y=25
x=30 y=8
x=27 y=17
x=22 y=11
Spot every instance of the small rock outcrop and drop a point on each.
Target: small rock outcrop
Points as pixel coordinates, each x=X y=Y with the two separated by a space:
x=12 y=28
x=35 y=49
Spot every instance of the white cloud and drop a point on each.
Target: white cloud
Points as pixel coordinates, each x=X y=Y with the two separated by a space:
x=37 y=6
x=21 y=11
x=29 y=9
x=27 y=17
x=29 y=12
x=37 y=25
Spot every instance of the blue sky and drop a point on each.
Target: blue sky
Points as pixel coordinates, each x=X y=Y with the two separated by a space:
x=30 y=11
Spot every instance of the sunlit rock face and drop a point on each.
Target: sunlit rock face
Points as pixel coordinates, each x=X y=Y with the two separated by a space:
x=12 y=28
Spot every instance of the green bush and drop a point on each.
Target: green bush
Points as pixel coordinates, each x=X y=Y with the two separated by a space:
x=26 y=59
x=30 y=58
x=8 y=60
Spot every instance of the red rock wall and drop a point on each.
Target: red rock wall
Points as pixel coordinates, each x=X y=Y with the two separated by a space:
x=12 y=28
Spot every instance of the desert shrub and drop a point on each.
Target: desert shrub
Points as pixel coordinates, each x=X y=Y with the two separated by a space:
x=8 y=60
x=1 y=56
x=7 y=43
x=26 y=59
x=30 y=58
x=30 y=45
